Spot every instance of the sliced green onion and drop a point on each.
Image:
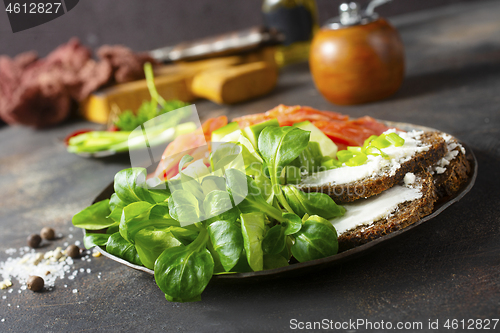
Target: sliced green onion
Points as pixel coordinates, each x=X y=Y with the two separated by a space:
x=371 y=150
x=331 y=163
x=354 y=149
x=369 y=140
x=395 y=139
x=355 y=155
x=344 y=155
x=380 y=142
x=359 y=159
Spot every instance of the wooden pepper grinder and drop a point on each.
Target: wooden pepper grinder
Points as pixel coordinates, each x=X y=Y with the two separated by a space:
x=357 y=57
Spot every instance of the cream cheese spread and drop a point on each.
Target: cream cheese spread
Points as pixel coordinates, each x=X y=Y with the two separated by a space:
x=367 y=211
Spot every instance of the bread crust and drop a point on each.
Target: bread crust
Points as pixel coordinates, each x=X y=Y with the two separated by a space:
x=456 y=174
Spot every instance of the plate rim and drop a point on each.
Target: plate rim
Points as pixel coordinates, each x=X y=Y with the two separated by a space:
x=337 y=258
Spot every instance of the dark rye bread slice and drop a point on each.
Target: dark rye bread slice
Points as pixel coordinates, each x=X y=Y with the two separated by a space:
x=405 y=214
x=377 y=184
x=456 y=174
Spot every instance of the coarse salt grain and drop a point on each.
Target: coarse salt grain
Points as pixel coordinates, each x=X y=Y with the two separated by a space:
x=51 y=265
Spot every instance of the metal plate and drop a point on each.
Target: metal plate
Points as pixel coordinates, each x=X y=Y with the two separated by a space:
x=300 y=268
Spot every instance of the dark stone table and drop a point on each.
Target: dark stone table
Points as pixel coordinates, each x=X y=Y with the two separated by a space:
x=447 y=268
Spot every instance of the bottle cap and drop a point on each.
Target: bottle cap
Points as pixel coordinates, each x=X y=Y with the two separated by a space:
x=351 y=14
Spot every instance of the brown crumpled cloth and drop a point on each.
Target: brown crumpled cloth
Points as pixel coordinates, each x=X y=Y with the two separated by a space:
x=40 y=92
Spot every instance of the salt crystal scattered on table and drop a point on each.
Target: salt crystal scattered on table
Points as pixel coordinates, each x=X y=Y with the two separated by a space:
x=51 y=264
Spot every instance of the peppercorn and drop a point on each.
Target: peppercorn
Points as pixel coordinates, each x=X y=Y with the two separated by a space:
x=35 y=283
x=48 y=233
x=73 y=251
x=34 y=240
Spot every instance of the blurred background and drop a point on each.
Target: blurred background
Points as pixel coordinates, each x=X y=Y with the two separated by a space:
x=148 y=24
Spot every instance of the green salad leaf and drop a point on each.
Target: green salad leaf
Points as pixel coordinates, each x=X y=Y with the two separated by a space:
x=316 y=239
x=272 y=261
x=119 y=247
x=184 y=207
x=183 y=272
x=313 y=203
x=94 y=217
x=247 y=195
x=130 y=186
x=274 y=241
x=227 y=241
x=150 y=242
x=95 y=239
x=292 y=224
x=279 y=146
x=253 y=228
x=218 y=206
x=224 y=154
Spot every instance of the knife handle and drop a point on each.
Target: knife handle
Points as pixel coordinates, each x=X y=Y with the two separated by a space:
x=228 y=43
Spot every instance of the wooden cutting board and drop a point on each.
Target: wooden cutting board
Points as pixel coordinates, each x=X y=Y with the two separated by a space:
x=225 y=80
